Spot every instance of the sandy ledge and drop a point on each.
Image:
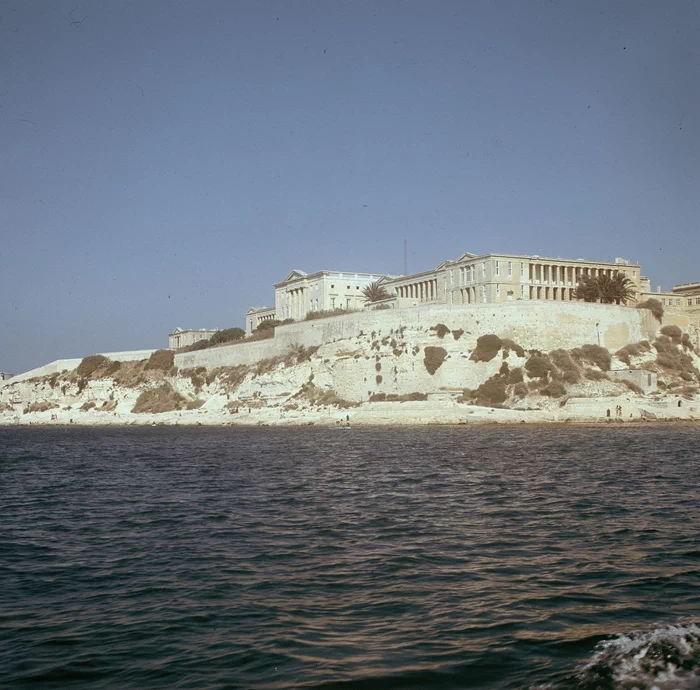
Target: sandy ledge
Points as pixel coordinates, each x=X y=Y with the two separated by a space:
x=576 y=411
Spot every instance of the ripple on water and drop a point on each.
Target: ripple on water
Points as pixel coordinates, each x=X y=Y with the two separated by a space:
x=393 y=558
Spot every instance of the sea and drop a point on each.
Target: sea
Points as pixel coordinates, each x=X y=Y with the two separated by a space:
x=538 y=557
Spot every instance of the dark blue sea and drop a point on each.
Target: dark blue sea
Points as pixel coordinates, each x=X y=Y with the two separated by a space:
x=435 y=557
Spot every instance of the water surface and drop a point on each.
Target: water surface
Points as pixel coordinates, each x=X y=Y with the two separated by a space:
x=490 y=557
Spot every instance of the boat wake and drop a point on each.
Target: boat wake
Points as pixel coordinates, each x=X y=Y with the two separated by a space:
x=667 y=658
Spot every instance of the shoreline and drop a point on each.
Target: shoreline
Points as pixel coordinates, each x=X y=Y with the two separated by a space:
x=413 y=414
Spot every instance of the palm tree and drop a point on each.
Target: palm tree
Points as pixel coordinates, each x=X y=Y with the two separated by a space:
x=621 y=289
x=374 y=292
x=618 y=289
x=587 y=289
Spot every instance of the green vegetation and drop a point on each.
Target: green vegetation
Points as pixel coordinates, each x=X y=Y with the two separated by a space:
x=375 y=292
x=227 y=335
x=616 y=290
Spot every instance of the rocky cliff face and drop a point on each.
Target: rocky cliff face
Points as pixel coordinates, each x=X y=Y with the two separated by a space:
x=402 y=366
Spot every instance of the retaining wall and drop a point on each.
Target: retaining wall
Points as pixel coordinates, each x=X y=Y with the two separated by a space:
x=71 y=364
x=533 y=325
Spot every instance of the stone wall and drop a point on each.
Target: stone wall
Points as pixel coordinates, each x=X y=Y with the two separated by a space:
x=71 y=364
x=533 y=325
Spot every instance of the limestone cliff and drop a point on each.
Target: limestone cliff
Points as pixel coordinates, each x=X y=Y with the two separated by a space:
x=396 y=370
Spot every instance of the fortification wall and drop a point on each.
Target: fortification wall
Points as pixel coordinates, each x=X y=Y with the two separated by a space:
x=534 y=325
x=71 y=364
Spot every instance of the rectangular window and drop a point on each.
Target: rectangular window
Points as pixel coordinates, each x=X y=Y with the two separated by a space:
x=483 y=270
x=510 y=269
x=332 y=302
x=522 y=291
x=498 y=290
x=348 y=302
x=522 y=269
x=498 y=268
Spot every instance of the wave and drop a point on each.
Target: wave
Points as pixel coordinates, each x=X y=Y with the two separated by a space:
x=666 y=658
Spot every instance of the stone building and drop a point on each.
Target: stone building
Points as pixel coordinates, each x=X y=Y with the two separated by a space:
x=183 y=337
x=257 y=315
x=689 y=294
x=469 y=279
x=684 y=297
x=489 y=278
x=300 y=293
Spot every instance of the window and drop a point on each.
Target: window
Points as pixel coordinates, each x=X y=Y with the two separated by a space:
x=357 y=287
x=348 y=302
x=483 y=270
x=697 y=300
x=332 y=286
x=332 y=302
x=510 y=269
x=348 y=287
x=522 y=269
x=498 y=290
x=522 y=291
x=690 y=302
x=498 y=268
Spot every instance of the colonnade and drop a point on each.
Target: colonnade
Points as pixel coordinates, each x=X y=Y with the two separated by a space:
x=422 y=290
x=565 y=294
x=566 y=275
x=296 y=302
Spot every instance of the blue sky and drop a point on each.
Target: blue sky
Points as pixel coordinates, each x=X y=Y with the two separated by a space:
x=164 y=162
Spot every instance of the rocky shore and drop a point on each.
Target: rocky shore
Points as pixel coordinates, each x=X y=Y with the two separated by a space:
x=403 y=377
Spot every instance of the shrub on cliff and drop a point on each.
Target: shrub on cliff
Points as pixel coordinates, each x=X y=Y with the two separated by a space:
x=440 y=330
x=39 y=407
x=554 y=389
x=161 y=360
x=654 y=306
x=507 y=344
x=632 y=350
x=673 y=332
x=566 y=368
x=593 y=354
x=487 y=347
x=90 y=364
x=161 y=399
x=538 y=366
x=434 y=357
x=227 y=335
x=325 y=313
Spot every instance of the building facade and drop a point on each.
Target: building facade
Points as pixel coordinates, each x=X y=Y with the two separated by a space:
x=300 y=293
x=490 y=278
x=183 y=337
x=257 y=315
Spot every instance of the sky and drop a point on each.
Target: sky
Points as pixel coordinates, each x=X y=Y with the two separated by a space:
x=163 y=163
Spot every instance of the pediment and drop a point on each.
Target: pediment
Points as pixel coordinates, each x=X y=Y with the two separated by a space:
x=296 y=273
x=466 y=255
